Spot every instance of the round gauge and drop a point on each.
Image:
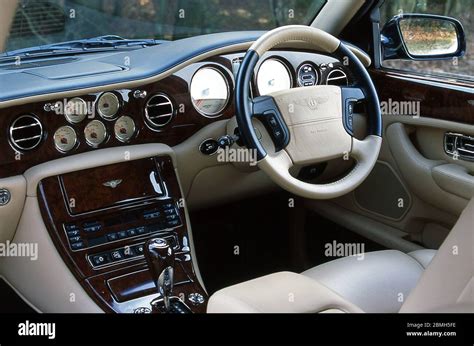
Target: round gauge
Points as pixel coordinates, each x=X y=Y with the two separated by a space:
x=95 y=133
x=124 y=128
x=75 y=110
x=108 y=105
x=65 y=139
x=273 y=76
x=307 y=75
x=209 y=91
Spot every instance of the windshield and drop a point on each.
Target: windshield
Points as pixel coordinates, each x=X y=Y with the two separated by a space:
x=42 y=22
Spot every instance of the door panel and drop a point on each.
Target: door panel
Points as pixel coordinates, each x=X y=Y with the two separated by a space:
x=429 y=185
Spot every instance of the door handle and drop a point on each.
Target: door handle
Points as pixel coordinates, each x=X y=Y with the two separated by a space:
x=459 y=146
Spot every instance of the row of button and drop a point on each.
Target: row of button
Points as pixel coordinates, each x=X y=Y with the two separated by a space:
x=116 y=255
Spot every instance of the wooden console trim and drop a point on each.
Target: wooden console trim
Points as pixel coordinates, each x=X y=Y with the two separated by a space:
x=55 y=213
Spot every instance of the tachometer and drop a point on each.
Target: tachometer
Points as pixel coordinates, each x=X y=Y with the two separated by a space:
x=273 y=76
x=75 y=110
x=108 y=105
x=65 y=139
x=209 y=92
x=95 y=133
x=124 y=128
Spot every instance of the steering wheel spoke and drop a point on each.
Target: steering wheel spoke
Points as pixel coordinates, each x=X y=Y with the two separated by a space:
x=266 y=110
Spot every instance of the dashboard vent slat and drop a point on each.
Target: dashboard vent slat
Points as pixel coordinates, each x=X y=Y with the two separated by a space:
x=26 y=132
x=159 y=111
x=337 y=77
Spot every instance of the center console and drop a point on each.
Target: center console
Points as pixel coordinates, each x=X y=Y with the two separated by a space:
x=102 y=221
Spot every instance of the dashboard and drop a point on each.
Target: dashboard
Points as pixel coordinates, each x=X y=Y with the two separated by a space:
x=167 y=111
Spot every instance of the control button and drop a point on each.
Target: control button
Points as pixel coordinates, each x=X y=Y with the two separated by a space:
x=78 y=245
x=151 y=214
x=122 y=234
x=112 y=237
x=171 y=217
x=196 y=298
x=75 y=239
x=173 y=223
x=92 y=229
x=139 y=249
x=141 y=230
x=5 y=196
x=73 y=233
x=71 y=227
x=277 y=133
x=132 y=232
x=273 y=122
x=209 y=146
x=116 y=255
x=99 y=260
x=168 y=206
x=170 y=211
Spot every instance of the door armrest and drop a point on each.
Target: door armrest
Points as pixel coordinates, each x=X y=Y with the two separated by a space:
x=454 y=179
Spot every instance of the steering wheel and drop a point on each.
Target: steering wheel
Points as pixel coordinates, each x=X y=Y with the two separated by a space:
x=309 y=124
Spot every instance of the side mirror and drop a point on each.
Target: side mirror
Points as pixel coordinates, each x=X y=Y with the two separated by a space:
x=422 y=37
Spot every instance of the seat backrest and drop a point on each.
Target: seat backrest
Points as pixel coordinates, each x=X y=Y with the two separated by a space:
x=447 y=284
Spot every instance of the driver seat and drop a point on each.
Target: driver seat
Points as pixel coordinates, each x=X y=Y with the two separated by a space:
x=384 y=281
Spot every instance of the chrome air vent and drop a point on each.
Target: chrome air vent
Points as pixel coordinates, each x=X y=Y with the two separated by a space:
x=159 y=111
x=26 y=132
x=337 y=77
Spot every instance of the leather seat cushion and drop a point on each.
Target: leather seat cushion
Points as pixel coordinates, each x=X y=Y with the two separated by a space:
x=379 y=281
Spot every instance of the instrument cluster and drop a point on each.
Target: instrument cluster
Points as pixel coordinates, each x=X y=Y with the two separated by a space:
x=77 y=110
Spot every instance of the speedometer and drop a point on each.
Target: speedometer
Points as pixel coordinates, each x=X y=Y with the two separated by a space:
x=124 y=128
x=209 y=92
x=65 y=139
x=273 y=76
x=95 y=133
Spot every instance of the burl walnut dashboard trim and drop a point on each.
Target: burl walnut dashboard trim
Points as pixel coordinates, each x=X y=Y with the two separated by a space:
x=101 y=281
x=185 y=123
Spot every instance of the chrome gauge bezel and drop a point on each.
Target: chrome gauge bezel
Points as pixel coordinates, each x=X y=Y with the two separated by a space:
x=125 y=140
x=220 y=112
x=56 y=144
x=101 y=113
x=100 y=123
x=68 y=115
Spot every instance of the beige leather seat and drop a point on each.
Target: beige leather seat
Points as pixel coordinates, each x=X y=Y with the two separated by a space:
x=384 y=281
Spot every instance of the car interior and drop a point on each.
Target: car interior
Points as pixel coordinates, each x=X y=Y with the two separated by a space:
x=303 y=156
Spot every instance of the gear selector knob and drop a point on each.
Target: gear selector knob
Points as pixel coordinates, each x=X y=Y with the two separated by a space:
x=160 y=257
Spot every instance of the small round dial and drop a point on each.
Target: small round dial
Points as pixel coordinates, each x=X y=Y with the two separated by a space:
x=75 y=110
x=108 y=105
x=124 y=128
x=307 y=75
x=95 y=133
x=65 y=139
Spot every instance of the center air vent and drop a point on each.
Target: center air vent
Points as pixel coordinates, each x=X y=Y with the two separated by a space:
x=159 y=111
x=26 y=132
x=337 y=77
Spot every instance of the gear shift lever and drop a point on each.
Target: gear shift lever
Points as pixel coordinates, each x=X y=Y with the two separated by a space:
x=160 y=257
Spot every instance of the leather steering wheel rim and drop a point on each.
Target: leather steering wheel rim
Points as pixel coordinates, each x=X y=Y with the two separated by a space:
x=319 y=112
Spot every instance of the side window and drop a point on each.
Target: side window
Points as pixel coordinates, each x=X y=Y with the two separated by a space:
x=455 y=68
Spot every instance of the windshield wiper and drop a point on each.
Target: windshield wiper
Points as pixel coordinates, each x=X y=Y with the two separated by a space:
x=99 y=43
